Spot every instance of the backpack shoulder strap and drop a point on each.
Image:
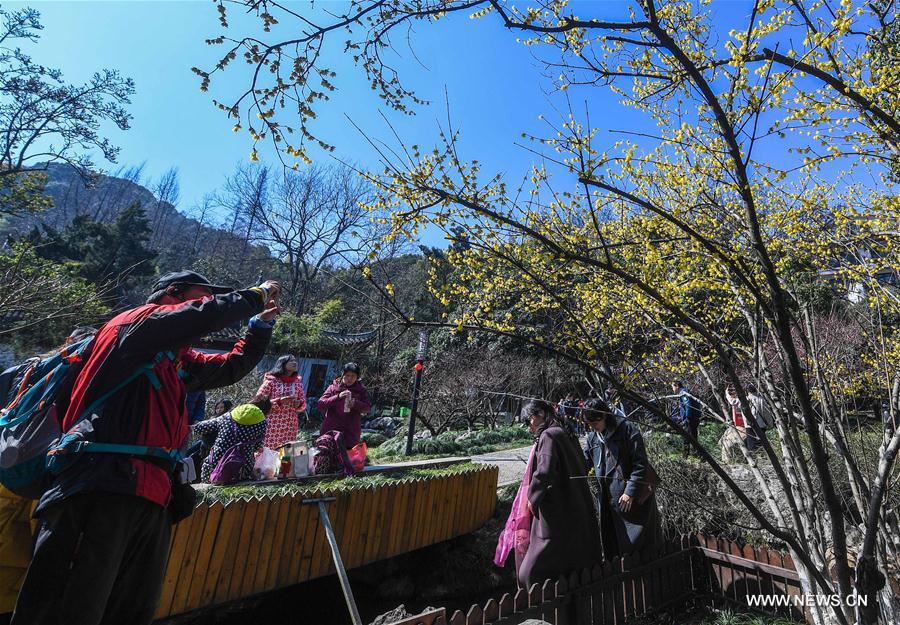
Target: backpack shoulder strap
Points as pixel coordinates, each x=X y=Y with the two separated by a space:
x=74 y=446
x=145 y=369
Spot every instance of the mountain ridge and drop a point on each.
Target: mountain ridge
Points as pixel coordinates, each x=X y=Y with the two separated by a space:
x=180 y=240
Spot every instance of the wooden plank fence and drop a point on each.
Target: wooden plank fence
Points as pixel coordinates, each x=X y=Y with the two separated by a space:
x=246 y=547
x=733 y=571
x=697 y=567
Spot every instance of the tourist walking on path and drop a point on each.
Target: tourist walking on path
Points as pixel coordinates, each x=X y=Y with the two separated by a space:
x=762 y=413
x=344 y=403
x=563 y=535
x=737 y=419
x=686 y=413
x=100 y=553
x=629 y=519
x=285 y=388
x=244 y=424
x=570 y=409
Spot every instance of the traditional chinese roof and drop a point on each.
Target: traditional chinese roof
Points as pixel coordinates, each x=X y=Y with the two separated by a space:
x=222 y=339
x=355 y=340
x=225 y=334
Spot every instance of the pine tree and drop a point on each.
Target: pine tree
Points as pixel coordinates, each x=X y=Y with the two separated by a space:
x=101 y=252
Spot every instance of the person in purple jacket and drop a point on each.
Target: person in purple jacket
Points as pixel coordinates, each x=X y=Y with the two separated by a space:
x=344 y=403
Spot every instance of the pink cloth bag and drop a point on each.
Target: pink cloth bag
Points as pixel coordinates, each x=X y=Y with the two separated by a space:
x=517 y=533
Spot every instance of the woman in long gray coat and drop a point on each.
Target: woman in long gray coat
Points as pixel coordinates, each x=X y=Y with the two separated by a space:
x=564 y=534
x=629 y=519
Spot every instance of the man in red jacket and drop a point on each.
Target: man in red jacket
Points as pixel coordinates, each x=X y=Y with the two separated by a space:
x=101 y=549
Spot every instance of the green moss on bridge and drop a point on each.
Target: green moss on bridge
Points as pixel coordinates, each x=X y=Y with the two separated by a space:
x=327 y=485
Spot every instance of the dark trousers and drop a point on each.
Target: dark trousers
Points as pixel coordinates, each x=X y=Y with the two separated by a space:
x=607 y=526
x=751 y=441
x=693 y=428
x=99 y=558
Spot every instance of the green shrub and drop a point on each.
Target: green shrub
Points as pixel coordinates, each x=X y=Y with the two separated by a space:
x=710 y=433
x=373 y=439
x=456 y=443
x=692 y=498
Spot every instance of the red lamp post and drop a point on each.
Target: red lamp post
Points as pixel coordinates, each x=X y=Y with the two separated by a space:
x=420 y=365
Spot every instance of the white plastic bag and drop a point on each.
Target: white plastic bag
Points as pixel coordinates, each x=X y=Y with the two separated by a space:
x=266 y=465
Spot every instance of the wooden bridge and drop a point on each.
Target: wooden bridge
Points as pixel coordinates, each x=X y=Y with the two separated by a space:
x=225 y=552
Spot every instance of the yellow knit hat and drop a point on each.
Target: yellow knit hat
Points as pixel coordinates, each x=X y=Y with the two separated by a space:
x=248 y=414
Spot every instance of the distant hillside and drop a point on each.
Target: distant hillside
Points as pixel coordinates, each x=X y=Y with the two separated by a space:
x=180 y=240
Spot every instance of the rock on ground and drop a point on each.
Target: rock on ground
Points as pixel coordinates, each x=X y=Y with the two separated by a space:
x=397 y=614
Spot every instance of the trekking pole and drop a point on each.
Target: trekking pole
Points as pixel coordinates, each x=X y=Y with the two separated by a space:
x=336 y=555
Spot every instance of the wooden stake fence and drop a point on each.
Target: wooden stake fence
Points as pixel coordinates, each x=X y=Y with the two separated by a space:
x=706 y=570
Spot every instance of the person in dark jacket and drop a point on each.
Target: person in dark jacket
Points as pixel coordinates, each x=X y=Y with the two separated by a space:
x=569 y=409
x=344 y=403
x=244 y=424
x=629 y=519
x=564 y=533
x=195 y=402
x=101 y=549
x=686 y=413
x=222 y=406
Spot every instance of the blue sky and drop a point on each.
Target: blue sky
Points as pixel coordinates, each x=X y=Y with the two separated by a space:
x=493 y=83
x=495 y=87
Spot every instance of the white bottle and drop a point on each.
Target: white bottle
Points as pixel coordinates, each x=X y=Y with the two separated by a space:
x=301 y=460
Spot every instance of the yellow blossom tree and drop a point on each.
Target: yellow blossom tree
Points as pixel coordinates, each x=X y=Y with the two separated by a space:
x=766 y=180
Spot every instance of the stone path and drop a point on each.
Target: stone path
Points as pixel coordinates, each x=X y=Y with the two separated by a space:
x=511 y=462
